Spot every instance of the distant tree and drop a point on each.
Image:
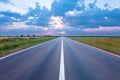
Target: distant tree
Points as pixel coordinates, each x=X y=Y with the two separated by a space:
x=44 y=36
x=34 y=35
x=28 y=35
x=21 y=35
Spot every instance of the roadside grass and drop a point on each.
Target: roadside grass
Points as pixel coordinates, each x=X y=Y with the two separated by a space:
x=12 y=44
x=111 y=44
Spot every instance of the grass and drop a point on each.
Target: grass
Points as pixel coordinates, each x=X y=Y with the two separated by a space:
x=12 y=44
x=111 y=44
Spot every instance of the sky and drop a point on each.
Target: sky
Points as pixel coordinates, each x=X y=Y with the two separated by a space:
x=60 y=17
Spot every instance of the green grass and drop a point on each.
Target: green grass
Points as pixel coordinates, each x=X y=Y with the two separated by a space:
x=111 y=44
x=12 y=44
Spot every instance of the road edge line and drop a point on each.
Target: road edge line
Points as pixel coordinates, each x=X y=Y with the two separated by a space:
x=110 y=53
x=17 y=52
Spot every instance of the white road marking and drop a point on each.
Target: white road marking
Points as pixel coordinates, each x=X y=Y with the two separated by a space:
x=9 y=55
x=62 y=69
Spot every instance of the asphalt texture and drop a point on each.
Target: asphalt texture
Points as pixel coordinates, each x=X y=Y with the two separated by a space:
x=39 y=63
x=81 y=62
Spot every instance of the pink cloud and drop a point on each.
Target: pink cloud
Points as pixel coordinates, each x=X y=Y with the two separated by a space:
x=50 y=33
x=62 y=32
x=56 y=22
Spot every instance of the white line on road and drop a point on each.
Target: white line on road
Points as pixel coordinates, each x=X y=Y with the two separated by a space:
x=62 y=69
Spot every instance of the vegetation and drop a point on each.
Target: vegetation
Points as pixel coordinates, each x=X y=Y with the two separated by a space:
x=111 y=44
x=12 y=44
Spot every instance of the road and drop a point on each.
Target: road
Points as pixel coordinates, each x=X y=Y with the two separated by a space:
x=60 y=59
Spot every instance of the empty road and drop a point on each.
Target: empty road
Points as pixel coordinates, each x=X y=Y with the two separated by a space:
x=60 y=59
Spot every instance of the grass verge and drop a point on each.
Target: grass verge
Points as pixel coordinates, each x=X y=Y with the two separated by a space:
x=12 y=44
x=111 y=44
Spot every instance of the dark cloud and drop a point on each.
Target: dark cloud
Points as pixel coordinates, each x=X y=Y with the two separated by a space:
x=34 y=12
x=10 y=14
x=93 y=5
x=5 y=21
x=36 y=16
x=107 y=6
x=95 y=17
x=40 y=16
x=8 y=17
x=80 y=5
x=60 y=7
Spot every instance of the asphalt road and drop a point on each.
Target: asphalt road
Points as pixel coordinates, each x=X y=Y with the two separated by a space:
x=61 y=59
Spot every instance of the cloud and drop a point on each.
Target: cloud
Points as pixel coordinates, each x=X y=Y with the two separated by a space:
x=39 y=28
x=62 y=32
x=60 y=7
x=93 y=5
x=56 y=22
x=52 y=32
x=8 y=18
x=1 y=15
x=93 y=18
x=103 y=29
x=72 y=13
x=80 y=5
x=12 y=8
x=10 y=14
x=17 y=26
x=38 y=16
x=65 y=17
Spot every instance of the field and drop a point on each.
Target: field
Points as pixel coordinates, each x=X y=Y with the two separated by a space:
x=111 y=44
x=12 y=44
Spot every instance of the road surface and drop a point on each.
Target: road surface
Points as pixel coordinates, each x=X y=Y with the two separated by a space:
x=60 y=59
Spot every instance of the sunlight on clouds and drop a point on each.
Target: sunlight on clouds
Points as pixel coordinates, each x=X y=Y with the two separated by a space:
x=62 y=32
x=73 y=13
x=52 y=32
x=29 y=18
x=17 y=26
x=56 y=22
